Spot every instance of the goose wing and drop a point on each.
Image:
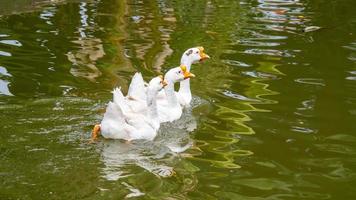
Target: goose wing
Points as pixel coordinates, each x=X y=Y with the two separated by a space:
x=113 y=112
x=120 y=101
x=114 y=124
x=137 y=88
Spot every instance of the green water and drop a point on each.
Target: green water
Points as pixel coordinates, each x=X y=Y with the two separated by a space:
x=273 y=113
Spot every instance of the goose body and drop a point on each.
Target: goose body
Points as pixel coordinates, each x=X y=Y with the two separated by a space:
x=120 y=122
x=169 y=108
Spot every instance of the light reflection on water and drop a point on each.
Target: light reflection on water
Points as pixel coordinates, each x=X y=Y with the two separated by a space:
x=272 y=114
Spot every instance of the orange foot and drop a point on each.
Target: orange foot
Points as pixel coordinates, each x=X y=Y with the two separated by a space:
x=95 y=132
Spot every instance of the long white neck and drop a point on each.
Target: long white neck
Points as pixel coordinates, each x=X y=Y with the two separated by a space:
x=152 y=104
x=171 y=96
x=184 y=86
x=185 y=60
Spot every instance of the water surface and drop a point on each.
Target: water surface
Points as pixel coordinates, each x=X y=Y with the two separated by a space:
x=273 y=112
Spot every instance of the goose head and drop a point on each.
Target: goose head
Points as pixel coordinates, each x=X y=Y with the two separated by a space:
x=178 y=74
x=194 y=55
x=157 y=84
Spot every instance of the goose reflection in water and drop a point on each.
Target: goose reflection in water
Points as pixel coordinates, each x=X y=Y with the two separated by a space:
x=152 y=157
x=158 y=156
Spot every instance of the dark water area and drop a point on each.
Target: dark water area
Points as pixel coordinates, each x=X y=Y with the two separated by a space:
x=273 y=113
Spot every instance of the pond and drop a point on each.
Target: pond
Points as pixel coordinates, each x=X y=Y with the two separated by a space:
x=273 y=112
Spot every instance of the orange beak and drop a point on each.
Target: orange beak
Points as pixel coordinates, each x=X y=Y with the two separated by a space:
x=203 y=56
x=186 y=73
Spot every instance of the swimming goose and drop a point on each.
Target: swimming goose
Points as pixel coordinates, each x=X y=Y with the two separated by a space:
x=120 y=123
x=189 y=57
x=169 y=108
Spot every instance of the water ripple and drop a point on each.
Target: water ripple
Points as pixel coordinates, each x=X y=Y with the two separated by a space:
x=238 y=96
x=302 y=129
x=11 y=42
x=235 y=63
x=4 y=72
x=4 y=88
x=268 y=52
x=311 y=81
x=4 y=53
x=258 y=43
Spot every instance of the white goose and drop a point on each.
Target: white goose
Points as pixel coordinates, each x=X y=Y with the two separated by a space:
x=169 y=108
x=189 y=57
x=119 y=123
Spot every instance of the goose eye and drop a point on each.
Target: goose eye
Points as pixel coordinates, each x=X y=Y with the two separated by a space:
x=179 y=71
x=197 y=52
